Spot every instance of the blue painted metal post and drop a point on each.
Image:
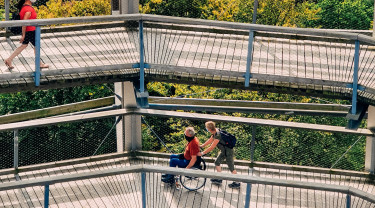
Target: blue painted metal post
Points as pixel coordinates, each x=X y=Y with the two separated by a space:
x=355 y=78
x=15 y=151
x=46 y=195
x=142 y=59
x=348 y=201
x=143 y=180
x=248 y=193
x=37 y=56
x=249 y=58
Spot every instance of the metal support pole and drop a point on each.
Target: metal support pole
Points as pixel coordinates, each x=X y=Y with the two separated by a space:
x=46 y=195
x=15 y=142
x=370 y=142
x=37 y=56
x=255 y=11
x=252 y=145
x=248 y=193
x=249 y=58
x=142 y=61
x=250 y=46
x=7 y=7
x=355 y=78
x=348 y=201
x=143 y=176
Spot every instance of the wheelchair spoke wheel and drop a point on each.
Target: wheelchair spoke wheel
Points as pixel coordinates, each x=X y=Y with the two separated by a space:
x=194 y=183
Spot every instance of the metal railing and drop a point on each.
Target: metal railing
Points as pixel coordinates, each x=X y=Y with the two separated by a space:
x=249 y=180
x=48 y=126
x=353 y=38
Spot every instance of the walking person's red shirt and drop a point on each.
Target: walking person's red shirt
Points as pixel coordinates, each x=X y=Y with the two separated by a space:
x=192 y=149
x=33 y=16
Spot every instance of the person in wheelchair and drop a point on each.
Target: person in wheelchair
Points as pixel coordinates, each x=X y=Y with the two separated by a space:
x=188 y=159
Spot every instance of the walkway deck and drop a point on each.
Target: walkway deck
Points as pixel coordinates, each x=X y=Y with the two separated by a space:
x=125 y=190
x=289 y=60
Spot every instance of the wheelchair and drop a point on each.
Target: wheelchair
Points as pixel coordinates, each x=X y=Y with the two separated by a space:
x=192 y=183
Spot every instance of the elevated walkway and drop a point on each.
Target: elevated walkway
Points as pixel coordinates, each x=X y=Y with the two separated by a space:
x=316 y=62
x=124 y=190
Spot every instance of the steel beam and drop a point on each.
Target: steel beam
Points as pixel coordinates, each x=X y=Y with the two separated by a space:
x=142 y=59
x=355 y=78
x=15 y=146
x=249 y=58
x=37 y=56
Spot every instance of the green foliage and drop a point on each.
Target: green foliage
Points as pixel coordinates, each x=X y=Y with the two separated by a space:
x=336 y=14
x=179 y=8
x=2 y=14
x=344 y=14
x=60 y=8
x=25 y=101
x=286 y=13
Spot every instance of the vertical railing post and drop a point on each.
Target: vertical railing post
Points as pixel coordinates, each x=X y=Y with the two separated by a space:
x=348 y=201
x=355 y=77
x=250 y=47
x=37 y=56
x=249 y=58
x=142 y=60
x=143 y=180
x=46 y=195
x=15 y=149
x=248 y=193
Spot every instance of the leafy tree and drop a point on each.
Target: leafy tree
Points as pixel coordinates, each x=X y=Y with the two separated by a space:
x=178 y=8
x=286 y=13
x=344 y=14
x=60 y=8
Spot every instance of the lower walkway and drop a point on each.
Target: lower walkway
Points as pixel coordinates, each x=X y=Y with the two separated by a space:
x=125 y=190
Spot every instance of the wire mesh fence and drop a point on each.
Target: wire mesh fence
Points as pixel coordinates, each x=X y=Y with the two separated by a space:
x=59 y=142
x=273 y=145
x=336 y=14
x=254 y=143
x=6 y=149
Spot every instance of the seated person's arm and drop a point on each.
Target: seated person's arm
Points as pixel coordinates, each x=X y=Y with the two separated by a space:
x=192 y=161
x=213 y=145
x=209 y=141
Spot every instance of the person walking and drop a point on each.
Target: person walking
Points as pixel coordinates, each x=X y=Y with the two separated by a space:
x=26 y=12
x=225 y=152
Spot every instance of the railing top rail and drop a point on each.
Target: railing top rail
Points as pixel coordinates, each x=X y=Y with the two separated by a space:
x=192 y=116
x=257 y=27
x=190 y=21
x=195 y=173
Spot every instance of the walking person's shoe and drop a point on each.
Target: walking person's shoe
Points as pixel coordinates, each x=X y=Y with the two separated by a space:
x=216 y=181
x=234 y=185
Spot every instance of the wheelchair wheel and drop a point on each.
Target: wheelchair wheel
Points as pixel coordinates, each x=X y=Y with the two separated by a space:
x=194 y=183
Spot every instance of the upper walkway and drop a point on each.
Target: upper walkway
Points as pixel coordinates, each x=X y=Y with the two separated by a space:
x=213 y=53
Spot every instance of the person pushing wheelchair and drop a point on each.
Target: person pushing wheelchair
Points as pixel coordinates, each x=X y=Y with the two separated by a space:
x=188 y=159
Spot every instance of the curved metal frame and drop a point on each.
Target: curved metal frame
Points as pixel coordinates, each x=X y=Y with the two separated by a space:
x=182 y=177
